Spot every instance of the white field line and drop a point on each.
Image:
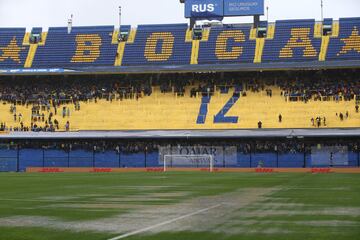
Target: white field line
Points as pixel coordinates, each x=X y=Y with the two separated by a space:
x=47 y=201
x=164 y=223
x=64 y=201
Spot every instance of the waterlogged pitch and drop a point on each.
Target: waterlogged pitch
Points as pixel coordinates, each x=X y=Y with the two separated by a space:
x=199 y=206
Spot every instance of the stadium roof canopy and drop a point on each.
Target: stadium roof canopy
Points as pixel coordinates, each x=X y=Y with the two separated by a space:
x=243 y=67
x=187 y=134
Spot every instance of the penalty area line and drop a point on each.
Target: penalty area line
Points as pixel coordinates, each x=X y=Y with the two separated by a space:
x=164 y=223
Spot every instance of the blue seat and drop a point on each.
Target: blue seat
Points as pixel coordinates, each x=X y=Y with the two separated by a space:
x=61 y=48
x=337 y=49
x=12 y=53
x=168 y=41
x=234 y=38
x=274 y=50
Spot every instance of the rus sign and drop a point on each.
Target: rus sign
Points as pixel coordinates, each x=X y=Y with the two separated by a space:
x=212 y=9
x=243 y=7
x=206 y=9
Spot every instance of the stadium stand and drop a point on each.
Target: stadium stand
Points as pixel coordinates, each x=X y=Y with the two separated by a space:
x=208 y=101
x=182 y=101
x=173 y=44
x=13 y=53
x=158 y=44
x=347 y=44
x=227 y=44
x=293 y=41
x=84 y=46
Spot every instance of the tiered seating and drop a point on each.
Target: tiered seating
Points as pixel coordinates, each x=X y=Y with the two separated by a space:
x=227 y=45
x=84 y=46
x=347 y=44
x=12 y=52
x=158 y=44
x=172 y=44
x=166 y=111
x=293 y=41
x=259 y=107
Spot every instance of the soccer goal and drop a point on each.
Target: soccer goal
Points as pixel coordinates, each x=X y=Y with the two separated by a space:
x=189 y=161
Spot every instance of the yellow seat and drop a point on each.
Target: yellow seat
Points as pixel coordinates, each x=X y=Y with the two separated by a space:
x=166 y=111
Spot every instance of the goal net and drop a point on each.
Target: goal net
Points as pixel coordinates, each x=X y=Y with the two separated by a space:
x=189 y=161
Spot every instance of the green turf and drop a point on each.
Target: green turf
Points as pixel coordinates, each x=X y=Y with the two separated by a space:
x=50 y=195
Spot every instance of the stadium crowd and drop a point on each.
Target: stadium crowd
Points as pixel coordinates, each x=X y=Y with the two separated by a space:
x=47 y=96
x=149 y=146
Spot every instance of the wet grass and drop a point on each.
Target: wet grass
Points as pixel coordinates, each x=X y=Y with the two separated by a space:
x=48 y=195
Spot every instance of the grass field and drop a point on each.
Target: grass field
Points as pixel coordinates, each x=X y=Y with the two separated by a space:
x=179 y=206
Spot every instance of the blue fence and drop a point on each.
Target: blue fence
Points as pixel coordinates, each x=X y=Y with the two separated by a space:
x=8 y=160
x=19 y=160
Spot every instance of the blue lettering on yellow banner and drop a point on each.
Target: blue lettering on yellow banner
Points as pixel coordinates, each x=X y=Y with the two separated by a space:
x=221 y=118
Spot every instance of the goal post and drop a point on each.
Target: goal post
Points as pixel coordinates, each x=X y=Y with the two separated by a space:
x=189 y=161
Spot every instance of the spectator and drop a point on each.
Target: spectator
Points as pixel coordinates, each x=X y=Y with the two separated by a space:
x=318 y=122
x=341 y=117
x=259 y=125
x=280 y=118
x=56 y=124
x=67 y=126
x=64 y=112
x=193 y=92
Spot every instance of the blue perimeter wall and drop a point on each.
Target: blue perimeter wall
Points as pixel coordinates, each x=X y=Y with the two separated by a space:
x=13 y=160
